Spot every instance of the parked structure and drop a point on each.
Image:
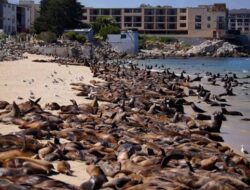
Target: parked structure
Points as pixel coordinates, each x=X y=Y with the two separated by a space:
x=87 y=32
x=8 y=18
x=127 y=42
x=203 y=21
x=239 y=20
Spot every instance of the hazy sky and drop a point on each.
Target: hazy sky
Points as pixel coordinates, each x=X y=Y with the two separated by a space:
x=176 y=3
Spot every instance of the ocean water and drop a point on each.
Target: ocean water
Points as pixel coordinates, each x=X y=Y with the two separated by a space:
x=234 y=131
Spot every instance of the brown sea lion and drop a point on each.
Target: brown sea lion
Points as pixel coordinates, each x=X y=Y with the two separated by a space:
x=64 y=167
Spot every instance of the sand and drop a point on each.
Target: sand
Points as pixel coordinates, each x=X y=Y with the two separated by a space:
x=51 y=81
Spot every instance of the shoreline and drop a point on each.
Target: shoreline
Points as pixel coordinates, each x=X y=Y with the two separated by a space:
x=42 y=76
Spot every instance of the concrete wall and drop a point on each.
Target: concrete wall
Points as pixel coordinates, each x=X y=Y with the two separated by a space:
x=126 y=42
x=84 y=52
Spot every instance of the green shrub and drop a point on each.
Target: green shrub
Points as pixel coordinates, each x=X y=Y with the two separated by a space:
x=73 y=36
x=80 y=38
x=48 y=37
x=165 y=39
x=70 y=35
x=109 y=29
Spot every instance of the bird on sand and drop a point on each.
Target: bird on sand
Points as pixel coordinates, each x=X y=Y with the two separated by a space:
x=243 y=150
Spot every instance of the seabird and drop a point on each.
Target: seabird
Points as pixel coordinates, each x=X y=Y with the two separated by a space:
x=243 y=150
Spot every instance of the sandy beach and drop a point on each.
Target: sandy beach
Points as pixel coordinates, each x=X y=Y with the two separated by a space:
x=24 y=78
x=51 y=81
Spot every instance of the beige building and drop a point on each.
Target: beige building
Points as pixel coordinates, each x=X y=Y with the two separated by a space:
x=203 y=21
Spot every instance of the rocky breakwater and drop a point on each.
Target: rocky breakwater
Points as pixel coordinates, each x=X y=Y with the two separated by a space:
x=215 y=48
x=141 y=138
x=209 y=48
x=11 y=51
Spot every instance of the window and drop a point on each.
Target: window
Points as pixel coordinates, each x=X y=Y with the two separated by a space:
x=246 y=29
x=160 y=12
x=105 y=12
x=172 y=11
x=160 y=26
x=172 y=19
x=197 y=18
x=116 y=12
x=123 y=36
x=239 y=20
x=183 y=10
x=232 y=20
x=183 y=25
x=128 y=19
x=172 y=26
x=208 y=25
x=137 y=19
x=149 y=26
x=183 y=18
x=198 y=26
x=137 y=10
x=160 y=19
x=209 y=18
x=149 y=19
x=137 y=25
x=221 y=26
x=128 y=10
x=149 y=12
x=221 y=19
x=128 y=24
x=94 y=12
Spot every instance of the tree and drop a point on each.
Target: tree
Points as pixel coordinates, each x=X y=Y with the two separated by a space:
x=105 y=25
x=109 y=29
x=58 y=15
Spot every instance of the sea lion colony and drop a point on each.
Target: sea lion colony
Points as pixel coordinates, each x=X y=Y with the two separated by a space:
x=140 y=138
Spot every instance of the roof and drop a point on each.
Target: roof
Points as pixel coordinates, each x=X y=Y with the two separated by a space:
x=239 y=11
x=80 y=30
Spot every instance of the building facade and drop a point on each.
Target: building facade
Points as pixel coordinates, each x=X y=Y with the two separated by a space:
x=203 y=21
x=8 y=18
x=33 y=8
x=23 y=19
x=239 y=20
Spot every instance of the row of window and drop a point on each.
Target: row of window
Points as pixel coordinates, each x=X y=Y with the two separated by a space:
x=240 y=29
x=146 y=11
x=239 y=20
x=239 y=16
x=156 y=26
x=240 y=24
x=139 y=18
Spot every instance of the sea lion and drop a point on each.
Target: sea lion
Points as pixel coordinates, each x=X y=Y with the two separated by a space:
x=197 y=109
x=14 y=113
x=203 y=117
x=3 y=105
x=64 y=167
x=234 y=113
x=97 y=179
x=216 y=124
